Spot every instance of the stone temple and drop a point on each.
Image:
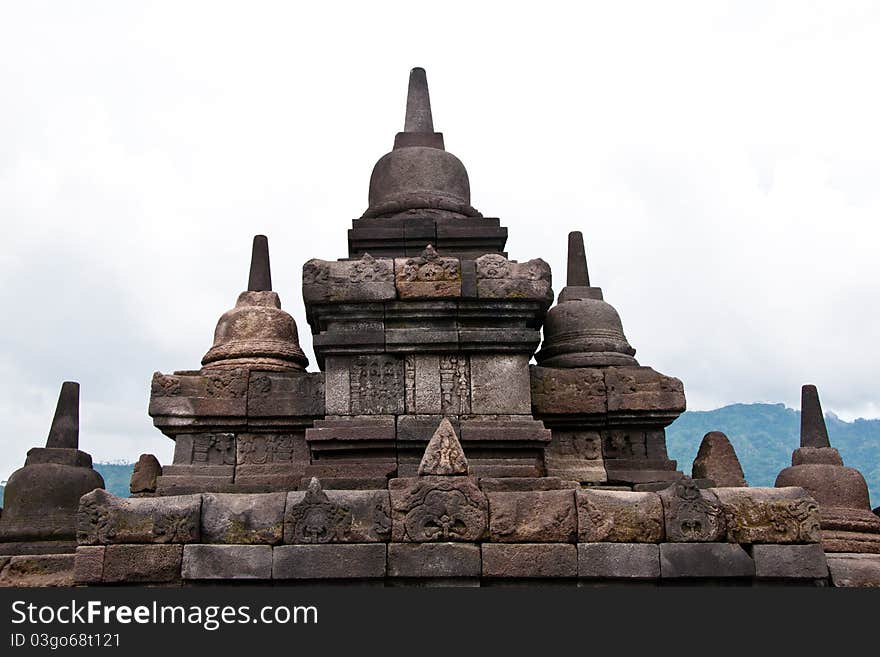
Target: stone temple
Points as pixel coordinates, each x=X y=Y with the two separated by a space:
x=441 y=440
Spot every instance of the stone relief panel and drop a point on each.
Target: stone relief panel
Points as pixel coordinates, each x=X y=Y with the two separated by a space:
x=377 y=385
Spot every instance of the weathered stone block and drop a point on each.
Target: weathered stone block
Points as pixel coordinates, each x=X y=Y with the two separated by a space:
x=204 y=449
x=618 y=561
x=711 y=560
x=351 y=561
x=142 y=563
x=574 y=391
x=366 y=279
x=769 y=515
x=427 y=560
x=851 y=570
x=619 y=517
x=221 y=394
x=144 y=475
x=243 y=518
x=427 y=276
x=337 y=516
x=227 y=562
x=575 y=456
x=692 y=515
x=533 y=517
x=790 y=561
x=279 y=394
x=717 y=461
x=38 y=570
x=487 y=396
x=267 y=453
x=642 y=389
x=524 y=484
x=103 y=518
x=437 y=508
x=88 y=565
x=529 y=560
x=500 y=278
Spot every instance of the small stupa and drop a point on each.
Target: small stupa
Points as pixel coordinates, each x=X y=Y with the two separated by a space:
x=847 y=522
x=256 y=334
x=41 y=498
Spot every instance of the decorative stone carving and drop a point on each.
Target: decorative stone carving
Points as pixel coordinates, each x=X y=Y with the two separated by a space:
x=533 y=517
x=443 y=455
x=337 y=516
x=454 y=385
x=500 y=278
x=769 y=515
x=366 y=279
x=270 y=449
x=437 y=508
x=428 y=276
x=103 y=519
x=691 y=515
x=316 y=519
x=377 y=385
x=619 y=517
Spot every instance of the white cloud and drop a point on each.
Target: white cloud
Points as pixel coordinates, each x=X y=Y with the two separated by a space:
x=720 y=158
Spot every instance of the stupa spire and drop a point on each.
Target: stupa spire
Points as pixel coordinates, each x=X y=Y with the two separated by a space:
x=578 y=275
x=418 y=103
x=65 y=425
x=813 y=430
x=260 y=279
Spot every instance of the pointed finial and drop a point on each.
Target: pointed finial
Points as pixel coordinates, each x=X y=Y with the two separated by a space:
x=260 y=279
x=418 y=103
x=443 y=455
x=65 y=424
x=813 y=430
x=577 y=261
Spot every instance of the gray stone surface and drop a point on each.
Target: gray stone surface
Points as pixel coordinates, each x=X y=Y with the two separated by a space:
x=38 y=570
x=851 y=570
x=618 y=561
x=487 y=374
x=243 y=518
x=104 y=518
x=427 y=560
x=132 y=564
x=88 y=565
x=533 y=517
x=351 y=561
x=619 y=517
x=227 y=562
x=705 y=560
x=529 y=560
x=790 y=561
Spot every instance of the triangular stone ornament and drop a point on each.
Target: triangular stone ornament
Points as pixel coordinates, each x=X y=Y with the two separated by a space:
x=444 y=455
x=315 y=493
x=430 y=253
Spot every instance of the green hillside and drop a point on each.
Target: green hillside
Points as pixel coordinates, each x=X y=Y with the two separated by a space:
x=764 y=436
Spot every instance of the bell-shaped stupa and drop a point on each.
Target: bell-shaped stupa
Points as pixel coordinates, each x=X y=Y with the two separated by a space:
x=256 y=334
x=848 y=525
x=582 y=330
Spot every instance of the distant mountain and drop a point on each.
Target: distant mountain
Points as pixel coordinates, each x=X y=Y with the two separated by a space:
x=764 y=436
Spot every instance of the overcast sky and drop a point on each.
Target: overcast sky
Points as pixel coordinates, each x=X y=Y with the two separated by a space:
x=721 y=159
